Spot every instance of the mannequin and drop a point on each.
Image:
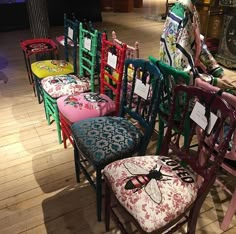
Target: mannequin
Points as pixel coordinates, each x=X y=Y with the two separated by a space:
x=183 y=47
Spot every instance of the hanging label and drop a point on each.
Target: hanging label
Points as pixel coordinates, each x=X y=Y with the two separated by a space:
x=87 y=43
x=141 y=89
x=70 y=33
x=198 y=116
x=112 y=60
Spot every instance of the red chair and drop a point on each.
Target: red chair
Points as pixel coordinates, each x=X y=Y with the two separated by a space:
x=230 y=156
x=160 y=193
x=74 y=108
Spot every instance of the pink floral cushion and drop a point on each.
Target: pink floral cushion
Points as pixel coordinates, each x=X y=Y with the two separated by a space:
x=154 y=189
x=57 y=86
x=85 y=105
x=46 y=68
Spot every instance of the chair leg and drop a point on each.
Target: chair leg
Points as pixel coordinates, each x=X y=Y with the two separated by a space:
x=160 y=135
x=37 y=89
x=77 y=164
x=99 y=194
x=57 y=120
x=107 y=207
x=230 y=213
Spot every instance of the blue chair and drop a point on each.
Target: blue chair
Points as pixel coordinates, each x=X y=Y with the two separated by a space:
x=102 y=140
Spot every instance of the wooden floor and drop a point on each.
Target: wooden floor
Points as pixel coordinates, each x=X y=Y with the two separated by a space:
x=38 y=190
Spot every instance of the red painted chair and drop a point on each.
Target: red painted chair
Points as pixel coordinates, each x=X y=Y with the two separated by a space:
x=230 y=156
x=82 y=106
x=163 y=192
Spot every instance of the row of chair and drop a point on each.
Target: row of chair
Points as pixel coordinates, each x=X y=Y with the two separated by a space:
x=97 y=125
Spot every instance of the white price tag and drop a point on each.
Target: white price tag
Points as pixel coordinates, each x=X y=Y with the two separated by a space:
x=112 y=60
x=87 y=43
x=141 y=89
x=70 y=33
x=198 y=116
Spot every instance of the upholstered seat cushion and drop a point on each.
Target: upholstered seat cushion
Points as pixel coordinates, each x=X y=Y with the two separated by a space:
x=154 y=189
x=46 y=68
x=57 y=86
x=106 y=138
x=85 y=105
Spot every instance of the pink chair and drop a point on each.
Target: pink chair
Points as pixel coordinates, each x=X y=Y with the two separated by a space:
x=231 y=155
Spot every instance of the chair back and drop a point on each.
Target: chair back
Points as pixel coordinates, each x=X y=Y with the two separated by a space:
x=141 y=96
x=172 y=78
x=88 y=41
x=71 y=29
x=112 y=68
x=209 y=115
x=131 y=51
x=230 y=99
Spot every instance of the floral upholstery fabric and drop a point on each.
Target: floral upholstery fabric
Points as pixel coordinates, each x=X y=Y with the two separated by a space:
x=107 y=138
x=85 y=105
x=154 y=189
x=46 y=68
x=57 y=86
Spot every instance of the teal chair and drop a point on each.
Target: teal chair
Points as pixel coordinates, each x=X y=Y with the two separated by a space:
x=102 y=140
x=62 y=85
x=171 y=78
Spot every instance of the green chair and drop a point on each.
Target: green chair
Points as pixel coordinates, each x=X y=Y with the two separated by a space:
x=62 y=85
x=172 y=77
x=88 y=41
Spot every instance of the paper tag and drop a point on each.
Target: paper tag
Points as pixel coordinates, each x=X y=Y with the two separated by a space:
x=198 y=116
x=70 y=33
x=87 y=43
x=141 y=89
x=112 y=60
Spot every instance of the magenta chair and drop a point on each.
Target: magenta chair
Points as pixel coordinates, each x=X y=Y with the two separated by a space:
x=230 y=157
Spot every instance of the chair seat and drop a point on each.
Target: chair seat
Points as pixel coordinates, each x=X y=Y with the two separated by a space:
x=46 y=68
x=135 y=180
x=61 y=85
x=106 y=139
x=85 y=105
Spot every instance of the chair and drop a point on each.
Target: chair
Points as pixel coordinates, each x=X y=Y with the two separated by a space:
x=63 y=85
x=79 y=107
x=45 y=68
x=102 y=140
x=160 y=193
x=172 y=77
x=230 y=156
x=40 y=47
x=132 y=52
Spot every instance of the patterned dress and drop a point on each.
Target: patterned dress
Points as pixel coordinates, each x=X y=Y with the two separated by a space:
x=178 y=42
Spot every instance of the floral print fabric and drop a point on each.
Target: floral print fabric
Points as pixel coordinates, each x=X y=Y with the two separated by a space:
x=46 y=68
x=57 y=86
x=154 y=189
x=177 y=44
x=85 y=105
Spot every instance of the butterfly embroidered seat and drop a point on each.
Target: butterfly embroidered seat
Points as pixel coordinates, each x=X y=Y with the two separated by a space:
x=160 y=193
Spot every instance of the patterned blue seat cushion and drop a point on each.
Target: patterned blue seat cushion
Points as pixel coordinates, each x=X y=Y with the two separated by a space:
x=105 y=139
